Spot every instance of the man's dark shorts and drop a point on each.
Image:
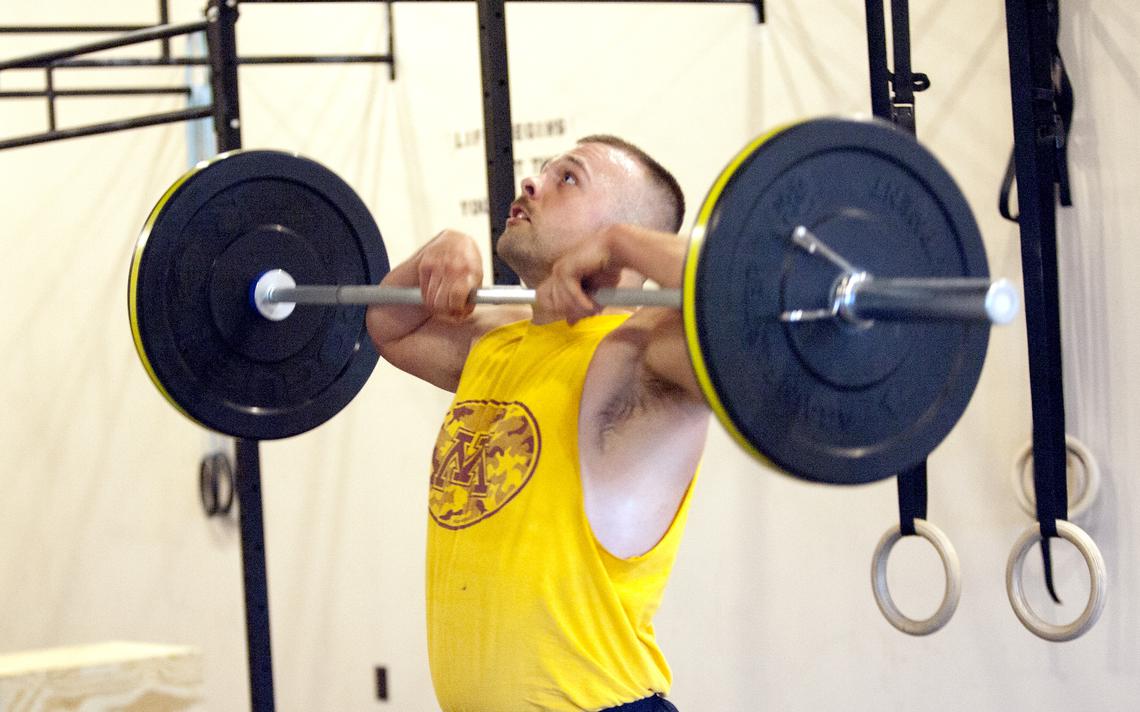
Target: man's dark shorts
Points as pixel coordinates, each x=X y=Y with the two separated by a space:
x=649 y=704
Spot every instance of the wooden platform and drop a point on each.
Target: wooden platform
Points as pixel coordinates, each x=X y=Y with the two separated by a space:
x=119 y=676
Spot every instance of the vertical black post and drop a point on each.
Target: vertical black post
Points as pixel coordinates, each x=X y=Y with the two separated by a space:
x=497 y=126
x=220 y=35
x=254 y=579
x=1031 y=44
x=49 y=91
x=877 y=60
x=391 y=42
x=222 y=46
x=163 y=19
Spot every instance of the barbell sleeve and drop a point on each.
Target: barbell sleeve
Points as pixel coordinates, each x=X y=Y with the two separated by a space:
x=902 y=298
x=860 y=298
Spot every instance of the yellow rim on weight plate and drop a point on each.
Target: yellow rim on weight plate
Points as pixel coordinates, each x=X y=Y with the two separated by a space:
x=689 y=288
x=132 y=289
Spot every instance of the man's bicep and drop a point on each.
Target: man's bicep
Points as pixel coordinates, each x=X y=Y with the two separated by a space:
x=435 y=352
x=438 y=349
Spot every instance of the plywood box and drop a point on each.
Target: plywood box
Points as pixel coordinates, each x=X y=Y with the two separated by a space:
x=124 y=677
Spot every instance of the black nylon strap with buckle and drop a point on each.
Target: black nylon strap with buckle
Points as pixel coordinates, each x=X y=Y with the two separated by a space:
x=897 y=106
x=1053 y=129
x=1042 y=105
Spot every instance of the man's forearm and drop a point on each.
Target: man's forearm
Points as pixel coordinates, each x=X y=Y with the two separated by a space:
x=388 y=323
x=659 y=256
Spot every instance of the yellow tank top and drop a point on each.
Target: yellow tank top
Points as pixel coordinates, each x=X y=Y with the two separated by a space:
x=526 y=610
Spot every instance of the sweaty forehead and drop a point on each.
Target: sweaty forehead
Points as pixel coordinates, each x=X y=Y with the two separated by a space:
x=606 y=160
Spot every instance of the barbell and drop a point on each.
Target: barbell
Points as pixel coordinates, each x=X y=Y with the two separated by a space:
x=836 y=299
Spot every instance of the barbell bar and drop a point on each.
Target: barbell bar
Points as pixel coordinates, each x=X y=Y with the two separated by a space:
x=857 y=297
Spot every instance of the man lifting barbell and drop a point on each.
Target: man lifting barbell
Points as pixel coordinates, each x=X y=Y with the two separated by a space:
x=834 y=311
x=560 y=475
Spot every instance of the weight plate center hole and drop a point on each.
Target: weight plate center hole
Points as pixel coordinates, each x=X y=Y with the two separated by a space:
x=250 y=255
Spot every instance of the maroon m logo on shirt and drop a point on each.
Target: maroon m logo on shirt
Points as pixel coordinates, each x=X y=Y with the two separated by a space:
x=485 y=454
x=467 y=458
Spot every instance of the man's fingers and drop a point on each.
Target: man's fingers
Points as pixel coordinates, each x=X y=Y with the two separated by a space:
x=450 y=267
x=429 y=289
x=584 y=301
x=576 y=304
x=458 y=299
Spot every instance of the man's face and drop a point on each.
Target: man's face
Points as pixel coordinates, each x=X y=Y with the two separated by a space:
x=574 y=196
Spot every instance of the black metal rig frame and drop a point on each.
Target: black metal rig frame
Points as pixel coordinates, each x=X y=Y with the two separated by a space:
x=71 y=58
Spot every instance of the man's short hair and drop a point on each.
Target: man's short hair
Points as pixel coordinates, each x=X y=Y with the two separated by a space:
x=664 y=185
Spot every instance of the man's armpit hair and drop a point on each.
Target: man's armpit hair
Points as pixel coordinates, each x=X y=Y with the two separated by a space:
x=673 y=198
x=644 y=393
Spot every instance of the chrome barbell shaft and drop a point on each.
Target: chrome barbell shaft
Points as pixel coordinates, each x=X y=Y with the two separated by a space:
x=364 y=294
x=860 y=298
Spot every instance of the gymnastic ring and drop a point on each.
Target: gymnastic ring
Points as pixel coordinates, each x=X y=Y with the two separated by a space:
x=1022 y=477
x=950 y=596
x=1098 y=583
x=216 y=484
